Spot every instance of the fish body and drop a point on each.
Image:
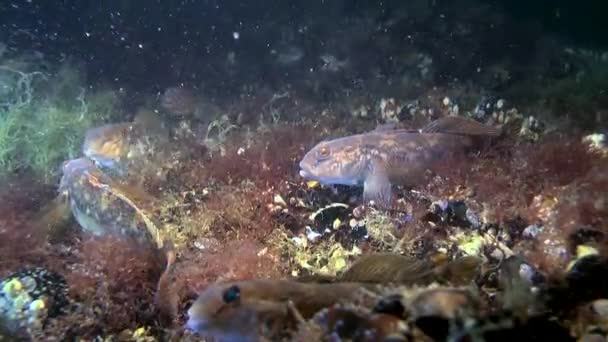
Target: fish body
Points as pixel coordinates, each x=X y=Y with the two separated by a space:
x=381 y=157
x=102 y=206
x=245 y=310
x=394 y=268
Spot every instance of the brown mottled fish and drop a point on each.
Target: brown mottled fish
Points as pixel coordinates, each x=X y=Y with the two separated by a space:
x=107 y=145
x=394 y=268
x=246 y=310
x=384 y=156
x=110 y=145
x=236 y=311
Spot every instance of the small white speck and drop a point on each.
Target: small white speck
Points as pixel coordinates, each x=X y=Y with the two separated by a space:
x=298 y=241
x=141 y=46
x=311 y=235
x=236 y=35
x=240 y=151
x=87 y=34
x=500 y=103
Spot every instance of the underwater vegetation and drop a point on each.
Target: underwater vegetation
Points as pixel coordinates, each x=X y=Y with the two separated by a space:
x=44 y=113
x=540 y=200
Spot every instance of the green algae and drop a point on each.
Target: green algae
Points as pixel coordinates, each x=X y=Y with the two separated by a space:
x=43 y=118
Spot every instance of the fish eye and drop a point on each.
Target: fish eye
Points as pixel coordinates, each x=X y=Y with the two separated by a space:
x=232 y=294
x=323 y=153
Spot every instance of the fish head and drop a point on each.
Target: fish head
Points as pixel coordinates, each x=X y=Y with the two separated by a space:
x=72 y=170
x=225 y=312
x=107 y=143
x=77 y=165
x=335 y=162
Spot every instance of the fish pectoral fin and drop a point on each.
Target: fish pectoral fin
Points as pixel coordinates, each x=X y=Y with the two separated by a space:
x=377 y=188
x=460 y=125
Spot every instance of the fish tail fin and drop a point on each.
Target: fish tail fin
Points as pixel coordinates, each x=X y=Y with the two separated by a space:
x=461 y=125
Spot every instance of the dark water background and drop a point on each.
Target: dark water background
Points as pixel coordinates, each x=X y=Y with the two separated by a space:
x=151 y=44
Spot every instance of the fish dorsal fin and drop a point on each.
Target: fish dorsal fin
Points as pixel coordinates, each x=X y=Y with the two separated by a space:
x=460 y=125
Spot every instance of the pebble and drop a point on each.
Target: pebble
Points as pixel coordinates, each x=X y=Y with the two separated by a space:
x=531 y=231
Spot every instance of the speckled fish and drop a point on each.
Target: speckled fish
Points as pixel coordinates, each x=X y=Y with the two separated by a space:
x=387 y=268
x=384 y=156
x=395 y=268
x=235 y=311
x=117 y=148
x=247 y=310
x=103 y=206
x=108 y=145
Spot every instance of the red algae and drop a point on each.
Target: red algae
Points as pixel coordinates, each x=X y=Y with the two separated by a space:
x=117 y=278
x=241 y=259
x=21 y=241
x=238 y=260
x=556 y=184
x=270 y=157
x=237 y=211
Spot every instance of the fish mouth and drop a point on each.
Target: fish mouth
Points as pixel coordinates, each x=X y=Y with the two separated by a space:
x=307 y=175
x=196 y=325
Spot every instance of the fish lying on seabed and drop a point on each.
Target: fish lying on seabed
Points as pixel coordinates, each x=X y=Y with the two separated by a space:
x=246 y=310
x=384 y=156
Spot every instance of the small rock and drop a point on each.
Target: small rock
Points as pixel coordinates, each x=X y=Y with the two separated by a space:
x=278 y=200
x=596 y=142
x=453 y=213
x=207 y=244
x=500 y=104
x=531 y=231
x=31 y=295
x=527 y=273
x=311 y=235
x=531 y=128
x=455 y=110
x=325 y=218
x=600 y=308
x=473 y=219
x=389 y=110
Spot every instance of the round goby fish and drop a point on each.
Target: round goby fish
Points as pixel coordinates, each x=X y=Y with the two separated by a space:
x=378 y=158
